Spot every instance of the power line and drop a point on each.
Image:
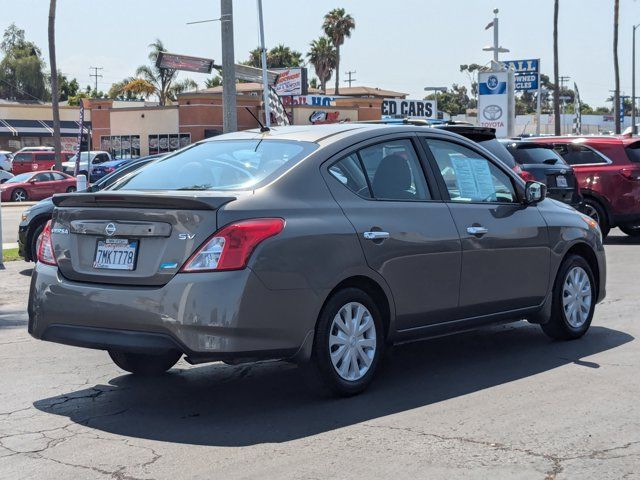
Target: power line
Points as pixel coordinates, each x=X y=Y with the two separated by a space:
x=96 y=75
x=350 y=80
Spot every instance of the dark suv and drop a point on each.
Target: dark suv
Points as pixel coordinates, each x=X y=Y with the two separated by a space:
x=608 y=174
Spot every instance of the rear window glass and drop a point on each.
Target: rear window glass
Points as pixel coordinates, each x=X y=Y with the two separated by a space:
x=578 y=154
x=534 y=154
x=633 y=152
x=218 y=165
x=499 y=150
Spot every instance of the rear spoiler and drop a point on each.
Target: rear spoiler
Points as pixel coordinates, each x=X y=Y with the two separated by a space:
x=160 y=200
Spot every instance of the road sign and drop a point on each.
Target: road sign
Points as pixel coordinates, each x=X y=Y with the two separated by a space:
x=527 y=73
x=175 y=61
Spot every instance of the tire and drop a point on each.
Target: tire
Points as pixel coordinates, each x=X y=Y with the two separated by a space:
x=595 y=210
x=342 y=379
x=19 y=195
x=562 y=325
x=34 y=241
x=71 y=189
x=145 y=364
x=631 y=230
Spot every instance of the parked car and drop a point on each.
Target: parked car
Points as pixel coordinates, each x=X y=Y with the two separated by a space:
x=322 y=245
x=608 y=173
x=541 y=163
x=87 y=161
x=35 y=217
x=36 y=186
x=4 y=176
x=5 y=160
x=100 y=170
x=37 y=160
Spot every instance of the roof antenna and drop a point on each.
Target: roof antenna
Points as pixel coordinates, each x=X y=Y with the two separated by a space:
x=263 y=129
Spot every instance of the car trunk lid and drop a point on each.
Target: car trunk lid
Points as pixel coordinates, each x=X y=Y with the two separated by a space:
x=157 y=232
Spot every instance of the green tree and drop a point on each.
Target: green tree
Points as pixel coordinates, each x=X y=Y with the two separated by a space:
x=212 y=82
x=279 y=56
x=22 y=68
x=162 y=80
x=338 y=25
x=67 y=88
x=472 y=70
x=454 y=101
x=323 y=57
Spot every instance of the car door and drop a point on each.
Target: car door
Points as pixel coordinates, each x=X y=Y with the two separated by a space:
x=39 y=186
x=58 y=184
x=505 y=246
x=407 y=233
x=21 y=163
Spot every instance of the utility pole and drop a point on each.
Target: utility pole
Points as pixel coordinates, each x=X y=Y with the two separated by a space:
x=263 y=56
x=634 y=128
x=229 y=113
x=350 y=80
x=96 y=75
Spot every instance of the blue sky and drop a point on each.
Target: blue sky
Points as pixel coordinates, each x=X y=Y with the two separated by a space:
x=401 y=45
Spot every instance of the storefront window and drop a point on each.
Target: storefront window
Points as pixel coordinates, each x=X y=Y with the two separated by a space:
x=121 y=146
x=168 y=142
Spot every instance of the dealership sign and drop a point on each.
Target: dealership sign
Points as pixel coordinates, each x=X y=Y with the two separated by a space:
x=527 y=73
x=392 y=107
x=495 y=109
x=313 y=100
x=173 y=61
x=291 y=81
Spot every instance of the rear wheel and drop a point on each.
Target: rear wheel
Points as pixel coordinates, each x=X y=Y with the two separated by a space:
x=71 y=189
x=145 y=364
x=348 y=344
x=19 y=195
x=595 y=210
x=574 y=300
x=631 y=230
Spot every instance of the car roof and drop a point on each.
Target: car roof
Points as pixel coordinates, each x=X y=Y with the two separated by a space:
x=599 y=139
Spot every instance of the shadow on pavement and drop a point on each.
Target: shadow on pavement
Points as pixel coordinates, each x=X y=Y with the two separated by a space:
x=621 y=239
x=244 y=405
x=26 y=272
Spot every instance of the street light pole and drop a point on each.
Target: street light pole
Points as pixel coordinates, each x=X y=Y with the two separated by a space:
x=265 y=83
x=634 y=129
x=229 y=113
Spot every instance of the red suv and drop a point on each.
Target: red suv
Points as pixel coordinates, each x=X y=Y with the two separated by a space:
x=608 y=173
x=25 y=162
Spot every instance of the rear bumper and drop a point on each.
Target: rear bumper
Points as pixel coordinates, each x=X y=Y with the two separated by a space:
x=206 y=316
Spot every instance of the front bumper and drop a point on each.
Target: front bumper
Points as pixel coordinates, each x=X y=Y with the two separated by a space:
x=23 y=231
x=207 y=316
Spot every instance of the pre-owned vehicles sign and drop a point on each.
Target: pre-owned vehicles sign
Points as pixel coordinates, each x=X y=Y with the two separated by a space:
x=392 y=107
x=527 y=73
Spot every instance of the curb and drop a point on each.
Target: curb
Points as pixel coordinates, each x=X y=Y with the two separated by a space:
x=16 y=204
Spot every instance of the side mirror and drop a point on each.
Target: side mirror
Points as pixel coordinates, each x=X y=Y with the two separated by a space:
x=33 y=180
x=534 y=192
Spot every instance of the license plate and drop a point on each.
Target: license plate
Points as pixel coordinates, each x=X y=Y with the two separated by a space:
x=561 y=181
x=116 y=254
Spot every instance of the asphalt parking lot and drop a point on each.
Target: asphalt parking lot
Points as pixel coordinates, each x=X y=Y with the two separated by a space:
x=504 y=402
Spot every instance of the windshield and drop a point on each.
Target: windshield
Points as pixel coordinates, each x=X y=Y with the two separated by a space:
x=218 y=165
x=535 y=154
x=23 y=177
x=83 y=157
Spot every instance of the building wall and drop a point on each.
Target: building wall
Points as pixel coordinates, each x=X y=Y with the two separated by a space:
x=143 y=122
x=39 y=112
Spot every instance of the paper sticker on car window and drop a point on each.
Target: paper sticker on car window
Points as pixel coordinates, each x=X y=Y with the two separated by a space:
x=473 y=179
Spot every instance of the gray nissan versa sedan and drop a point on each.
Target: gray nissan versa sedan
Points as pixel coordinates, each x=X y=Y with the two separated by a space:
x=322 y=245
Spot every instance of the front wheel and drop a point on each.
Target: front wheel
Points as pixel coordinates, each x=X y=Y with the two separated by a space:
x=145 y=364
x=631 y=230
x=19 y=195
x=348 y=344
x=574 y=300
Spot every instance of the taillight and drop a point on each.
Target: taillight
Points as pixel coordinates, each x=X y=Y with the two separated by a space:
x=231 y=246
x=45 y=247
x=526 y=176
x=630 y=173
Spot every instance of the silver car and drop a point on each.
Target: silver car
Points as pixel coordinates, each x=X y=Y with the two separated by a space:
x=322 y=245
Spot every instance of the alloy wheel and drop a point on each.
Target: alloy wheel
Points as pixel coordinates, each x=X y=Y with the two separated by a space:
x=352 y=341
x=591 y=211
x=576 y=297
x=19 y=196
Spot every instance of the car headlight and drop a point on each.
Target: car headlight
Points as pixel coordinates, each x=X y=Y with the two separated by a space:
x=24 y=215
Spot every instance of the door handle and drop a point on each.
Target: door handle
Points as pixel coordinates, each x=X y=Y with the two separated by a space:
x=376 y=235
x=476 y=230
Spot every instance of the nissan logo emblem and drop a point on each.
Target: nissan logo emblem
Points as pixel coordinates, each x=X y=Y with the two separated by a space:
x=492 y=112
x=110 y=229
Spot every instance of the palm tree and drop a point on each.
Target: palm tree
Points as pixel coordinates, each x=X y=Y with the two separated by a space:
x=338 y=25
x=616 y=68
x=556 y=74
x=283 y=57
x=54 y=84
x=323 y=56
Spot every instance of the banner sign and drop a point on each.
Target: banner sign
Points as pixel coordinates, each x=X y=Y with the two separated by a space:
x=291 y=81
x=173 y=61
x=80 y=132
x=493 y=101
x=392 y=107
x=313 y=100
x=527 y=73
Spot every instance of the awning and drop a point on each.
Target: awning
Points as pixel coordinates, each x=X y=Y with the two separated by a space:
x=40 y=128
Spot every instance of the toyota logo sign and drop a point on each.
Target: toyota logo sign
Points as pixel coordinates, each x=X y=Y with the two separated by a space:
x=110 y=229
x=492 y=112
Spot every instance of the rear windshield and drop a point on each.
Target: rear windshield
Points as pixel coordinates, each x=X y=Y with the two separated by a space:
x=535 y=154
x=218 y=165
x=499 y=150
x=633 y=152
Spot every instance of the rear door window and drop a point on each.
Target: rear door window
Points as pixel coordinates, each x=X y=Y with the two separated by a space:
x=579 y=154
x=535 y=154
x=22 y=157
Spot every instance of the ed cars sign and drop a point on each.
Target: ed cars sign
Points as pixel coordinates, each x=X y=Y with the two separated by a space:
x=392 y=107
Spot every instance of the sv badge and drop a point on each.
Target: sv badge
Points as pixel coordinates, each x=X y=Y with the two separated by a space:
x=186 y=236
